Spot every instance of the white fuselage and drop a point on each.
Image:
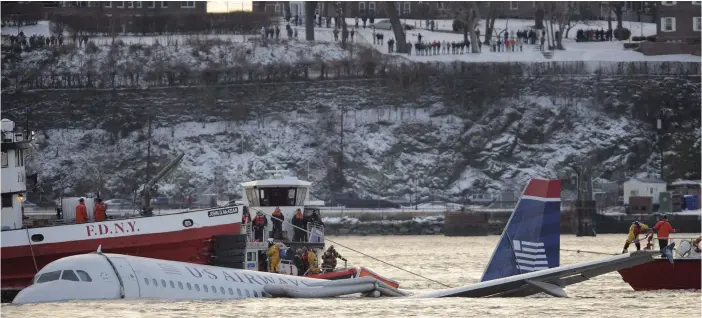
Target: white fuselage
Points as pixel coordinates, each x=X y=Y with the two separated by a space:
x=114 y=276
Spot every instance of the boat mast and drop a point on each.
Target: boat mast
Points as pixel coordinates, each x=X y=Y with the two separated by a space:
x=146 y=196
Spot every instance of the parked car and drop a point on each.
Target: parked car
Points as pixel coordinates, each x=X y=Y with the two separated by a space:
x=386 y=25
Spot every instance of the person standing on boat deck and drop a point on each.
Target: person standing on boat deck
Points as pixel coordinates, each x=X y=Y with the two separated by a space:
x=300 y=224
x=313 y=262
x=81 y=212
x=664 y=229
x=259 y=225
x=300 y=263
x=100 y=213
x=277 y=219
x=634 y=230
x=273 y=253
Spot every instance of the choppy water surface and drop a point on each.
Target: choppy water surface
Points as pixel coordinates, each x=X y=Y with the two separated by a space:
x=451 y=260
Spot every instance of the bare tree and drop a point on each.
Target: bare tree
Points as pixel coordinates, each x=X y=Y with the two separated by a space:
x=560 y=14
x=310 y=6
x=341 y=8
x=539 y=16
x=468 y=13
x=618 y=9
x=288 y=13
x=490 y=10
x=397 y=27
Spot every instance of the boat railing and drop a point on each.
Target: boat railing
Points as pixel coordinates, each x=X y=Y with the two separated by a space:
x=315 y=232
x=251 y=234
x=683 y=245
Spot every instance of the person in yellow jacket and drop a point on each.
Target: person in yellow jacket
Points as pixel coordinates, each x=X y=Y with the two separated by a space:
x=273 y=253
x=635 y=229
x=313 y=262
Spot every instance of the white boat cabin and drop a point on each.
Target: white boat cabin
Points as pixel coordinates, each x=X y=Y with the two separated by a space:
x=14 y=145
x=281 y=191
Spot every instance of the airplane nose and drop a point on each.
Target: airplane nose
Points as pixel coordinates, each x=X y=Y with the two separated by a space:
x=24 y=296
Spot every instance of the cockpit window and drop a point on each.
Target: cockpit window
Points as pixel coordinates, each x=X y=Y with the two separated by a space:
x=84 y=276
x=48 y=277
x=69 y=275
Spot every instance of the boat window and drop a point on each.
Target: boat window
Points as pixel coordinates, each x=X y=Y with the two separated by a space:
x=180 y=285
x=251 y=256
x=155 y=282
x=255 y=293
x=171 y=283
x=48 y=277
x=279 y=196
x=163 y=283
x=251 y=197
x=301 y=194
x=189 y=286
x=221 y=290
x=248 y=294
x=37 y=238
x=4 y=159
x=146 y=280
x=6 y=200
x=197 y=287
x=205 y=288
x=238 y=291
x=214 y=289
x=70 y=275
x=231 y=291
x=84 y=276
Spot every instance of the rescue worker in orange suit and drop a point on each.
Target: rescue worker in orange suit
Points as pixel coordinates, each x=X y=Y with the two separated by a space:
x=329 y=258
x=81 y=212
x=635 y=229
x=313 y=262
x=260 y=223
x=273 y=253
x=277 y=219
x=99 y=211
x=664 y=229
x=300 y=226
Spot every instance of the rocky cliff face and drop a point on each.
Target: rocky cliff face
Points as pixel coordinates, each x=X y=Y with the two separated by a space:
x=444 y=136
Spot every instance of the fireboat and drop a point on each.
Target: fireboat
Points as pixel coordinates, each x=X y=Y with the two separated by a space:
x=27 y=245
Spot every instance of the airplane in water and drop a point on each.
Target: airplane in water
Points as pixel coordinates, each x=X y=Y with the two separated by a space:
x=525 y=262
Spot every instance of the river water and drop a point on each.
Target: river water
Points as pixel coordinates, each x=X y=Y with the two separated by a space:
x=455 y=261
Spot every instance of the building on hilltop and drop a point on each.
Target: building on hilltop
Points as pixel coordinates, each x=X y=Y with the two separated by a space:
x=633 y=10
x=680 y=21
x=131 y=7
x=678 y=27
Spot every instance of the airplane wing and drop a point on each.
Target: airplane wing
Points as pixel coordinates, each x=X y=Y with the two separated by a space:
x=550 y=281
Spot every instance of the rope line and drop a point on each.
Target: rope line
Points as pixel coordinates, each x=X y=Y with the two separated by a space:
x=588 y=252
x=359 y=252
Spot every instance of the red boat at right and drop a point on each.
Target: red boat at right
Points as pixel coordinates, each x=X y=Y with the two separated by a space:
x=683 y=273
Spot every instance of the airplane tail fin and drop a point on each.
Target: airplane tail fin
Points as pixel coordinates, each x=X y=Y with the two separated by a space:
x=531 y=239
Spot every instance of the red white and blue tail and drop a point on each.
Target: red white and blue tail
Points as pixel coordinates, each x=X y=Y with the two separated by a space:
x=532 y=237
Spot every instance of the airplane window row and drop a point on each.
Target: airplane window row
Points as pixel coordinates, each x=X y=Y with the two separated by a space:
x=67 y=275
x=205 y=288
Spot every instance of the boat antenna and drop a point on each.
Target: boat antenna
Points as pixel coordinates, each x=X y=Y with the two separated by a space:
x=357 y=251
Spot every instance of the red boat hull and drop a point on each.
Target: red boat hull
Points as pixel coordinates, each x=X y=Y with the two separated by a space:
x=159 y=237
x=661 y=274
x=341 y=274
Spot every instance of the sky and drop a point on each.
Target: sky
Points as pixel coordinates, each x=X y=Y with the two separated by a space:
x=224 y=6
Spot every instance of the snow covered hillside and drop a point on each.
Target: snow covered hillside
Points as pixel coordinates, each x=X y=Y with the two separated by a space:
x=450 y=135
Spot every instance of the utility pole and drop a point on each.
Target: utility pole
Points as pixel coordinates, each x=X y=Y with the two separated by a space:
x=659 y=129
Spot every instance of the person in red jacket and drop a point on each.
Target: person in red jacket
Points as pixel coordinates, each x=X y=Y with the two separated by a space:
x=664 y=229
x=81 y=212
x=99 y=212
